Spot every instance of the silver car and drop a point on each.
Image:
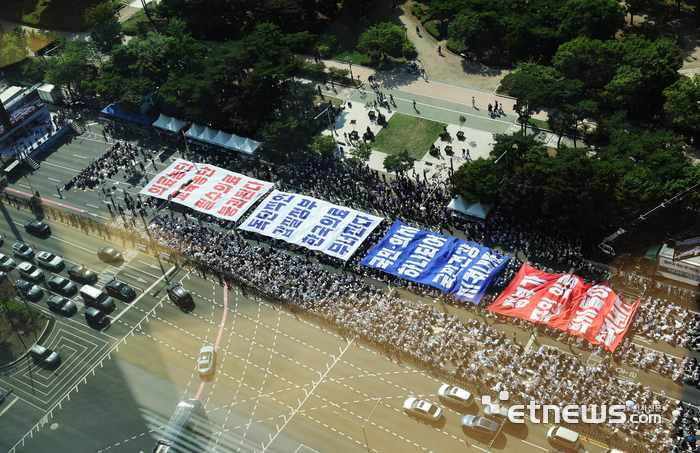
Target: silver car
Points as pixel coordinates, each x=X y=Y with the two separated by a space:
x=456 y=395
x=6 y=263
x=422 y=409
x=49 y=260
x=30 y=271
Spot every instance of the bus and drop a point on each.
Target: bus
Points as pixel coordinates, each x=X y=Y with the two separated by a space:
x=187 y=431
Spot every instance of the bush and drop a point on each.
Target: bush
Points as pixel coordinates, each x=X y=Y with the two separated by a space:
x=409 y=50
x=419 y=13
x=456 y=46
x=325 y=45
x=338 y=74
x=432 y=27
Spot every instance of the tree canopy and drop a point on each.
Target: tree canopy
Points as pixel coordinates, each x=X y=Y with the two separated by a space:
x=382 y=39
x=683 y=100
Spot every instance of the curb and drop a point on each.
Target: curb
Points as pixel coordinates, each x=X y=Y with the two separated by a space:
x=44 y=334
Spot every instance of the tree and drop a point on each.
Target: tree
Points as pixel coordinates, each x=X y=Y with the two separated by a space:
x=73 y=67
x=596 y=19
x=478 y=181
x=382 y=39
x=107 y=35
x=398 y=163
x=683 y=100
x=592 y=61
x=101 y=12
x=13 y=47
x=463 y=30
x=462 y=120
x=323 y=145
x=289 y=133
x=363 y=153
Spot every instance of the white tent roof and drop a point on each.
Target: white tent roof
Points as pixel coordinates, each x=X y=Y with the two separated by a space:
x=195 y=131
x=169 y=124
x=162 y=121
x=209 y=134
x=222 y=138
x=477 y=210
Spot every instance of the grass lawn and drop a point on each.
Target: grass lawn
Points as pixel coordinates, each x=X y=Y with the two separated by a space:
x=536 y=123
x=407 y=132
x=12 y=347
x=58 y=14
x=131 y=25
x=335 y=101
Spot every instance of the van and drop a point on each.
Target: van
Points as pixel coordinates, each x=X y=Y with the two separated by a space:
x=564 y=438
x=93 y=297
x=95 y=316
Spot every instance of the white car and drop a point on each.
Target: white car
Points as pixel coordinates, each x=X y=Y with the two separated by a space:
x=49 y=260
x=205 y=362
x=6 y=263
x=456 y=395
x=421 y=408
x=29 y=271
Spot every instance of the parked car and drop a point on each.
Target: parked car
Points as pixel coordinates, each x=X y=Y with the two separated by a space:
x=44 y=356
x=456 y=395
x=179 y=295
x=62 y=305
x=6 y=263
x=564 y=438
x=37 y=228
x=28 y=290
x=23 y=250
x=62 y=285
x=49 y=260
x=109 y=254
x=422 y=409
x=82 y=274
x=205 y=362
x=30 y=272
x=479 y=425
x=120 y=290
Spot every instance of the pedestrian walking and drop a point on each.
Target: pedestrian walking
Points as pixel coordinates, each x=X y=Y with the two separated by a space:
x=345 y=135
x=391 y=96
x=464 y=152
x=439 y=49
x=414 y=104
x=473 y=102
x=490 y=109
x=333 y=85
x=59 y=191
x=469 y=155
x=495 y=107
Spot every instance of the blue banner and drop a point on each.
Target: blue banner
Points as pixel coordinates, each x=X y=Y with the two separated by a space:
x=461 y=268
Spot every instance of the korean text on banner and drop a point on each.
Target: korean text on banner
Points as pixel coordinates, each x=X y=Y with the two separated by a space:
x=206 y=188
x=459 y=267
x=566 y=302
x=312 y=223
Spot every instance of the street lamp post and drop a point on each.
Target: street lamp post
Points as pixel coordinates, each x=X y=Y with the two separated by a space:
x=364 y=424
x=349 y=60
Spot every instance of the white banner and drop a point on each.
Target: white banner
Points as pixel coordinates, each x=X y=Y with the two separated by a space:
x=212 y=190
x=312 y=223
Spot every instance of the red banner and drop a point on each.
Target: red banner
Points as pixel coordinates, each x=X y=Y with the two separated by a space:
x=566 y=302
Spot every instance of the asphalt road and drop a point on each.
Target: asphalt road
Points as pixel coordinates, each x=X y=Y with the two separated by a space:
x=280 y=384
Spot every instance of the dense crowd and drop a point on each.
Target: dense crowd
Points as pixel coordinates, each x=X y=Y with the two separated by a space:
x=119 y=155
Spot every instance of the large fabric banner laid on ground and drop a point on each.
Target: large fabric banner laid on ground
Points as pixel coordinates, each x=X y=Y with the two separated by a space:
x=312 y=223
x=212 y=190
x=459 y=267
x=566 y=302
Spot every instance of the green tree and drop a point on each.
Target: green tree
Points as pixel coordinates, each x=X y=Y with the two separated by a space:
x=107 y=35
x=463 y=30
x=683 y=100
x=478 y=181
x=13 y=47
x=363 y=153
x=596 y=19
x=382 y=39
x=101 y=12
x=289 y=133
x=592 y=61
x=73 y=67
x=398 y=163
x=323 y=145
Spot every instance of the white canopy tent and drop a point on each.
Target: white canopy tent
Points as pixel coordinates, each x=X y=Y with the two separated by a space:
x=195 y=131
x=478 y=210
x=223 y=139
x=169 y=124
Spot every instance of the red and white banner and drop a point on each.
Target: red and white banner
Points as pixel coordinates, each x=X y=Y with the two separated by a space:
x=211 y=189
x=566 y=302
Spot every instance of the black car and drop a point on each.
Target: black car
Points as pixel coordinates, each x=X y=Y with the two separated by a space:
x=120 y=290
x=178 y=294
x=82 y=274
x=37 y=228
x=28 y=290
x=62 y=305
x=62 y=285
x=109 y=254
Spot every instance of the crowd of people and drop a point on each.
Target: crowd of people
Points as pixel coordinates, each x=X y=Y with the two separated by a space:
x=420 y=331
x=119 y=155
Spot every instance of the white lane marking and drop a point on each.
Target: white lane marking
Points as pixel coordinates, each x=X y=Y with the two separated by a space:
x=9 y=406
x=82 y=157
x=141 y=270
x=138 y=279
x=53 y=179
x=153 y=266
x=60 y=166
x=92 y=206
x=22 y=185
x=534 y=445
